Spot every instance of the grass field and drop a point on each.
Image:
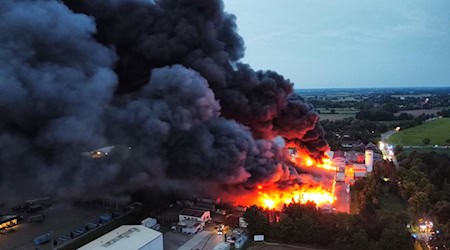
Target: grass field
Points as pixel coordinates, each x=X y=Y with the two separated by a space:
x=334 y=117
x=340 y=113
x=437 y=130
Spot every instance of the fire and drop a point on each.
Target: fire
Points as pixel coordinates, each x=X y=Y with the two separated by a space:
x=274 y=198
x=271 y=196
x=302 y=159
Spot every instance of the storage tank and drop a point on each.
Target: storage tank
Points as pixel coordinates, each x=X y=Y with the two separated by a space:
x=369 y=160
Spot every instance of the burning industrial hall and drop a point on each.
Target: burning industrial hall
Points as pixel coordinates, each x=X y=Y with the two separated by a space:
x=168 y=101
x=110 y=98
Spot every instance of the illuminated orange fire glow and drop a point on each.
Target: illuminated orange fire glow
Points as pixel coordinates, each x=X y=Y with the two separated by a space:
x=275 y=198
x=270 y=196
x=302 y=159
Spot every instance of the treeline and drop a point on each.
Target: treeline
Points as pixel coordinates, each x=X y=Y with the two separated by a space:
x=419 y=187
x=352 y=129
x=423 y=182
x=445 y=113
x=382 y=115
x=390 y=102
x=420 y=184
x=304 y=223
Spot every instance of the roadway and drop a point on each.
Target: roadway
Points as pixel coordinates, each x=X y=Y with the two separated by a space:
x=206 y=239
x=387 y=152
x=342 y=204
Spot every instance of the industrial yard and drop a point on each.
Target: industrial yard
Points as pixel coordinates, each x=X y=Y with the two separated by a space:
x=60 y=221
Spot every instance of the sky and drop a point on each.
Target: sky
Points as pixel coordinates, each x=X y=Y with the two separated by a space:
x=348 y=43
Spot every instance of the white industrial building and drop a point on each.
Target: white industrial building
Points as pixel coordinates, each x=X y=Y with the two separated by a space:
x=192 y=221
x=351 y=165
x=129 y=237
x=190 y=226
x=195 y=214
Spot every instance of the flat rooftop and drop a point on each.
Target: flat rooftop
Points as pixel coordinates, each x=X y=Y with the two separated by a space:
x=193 y=212
x=124 y=237
x=6 y=218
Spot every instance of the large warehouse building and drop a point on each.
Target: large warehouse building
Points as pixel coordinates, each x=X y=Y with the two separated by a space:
x=130 y=237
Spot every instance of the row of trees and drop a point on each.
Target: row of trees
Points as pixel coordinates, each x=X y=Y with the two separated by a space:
x=389 y=102
x=303 y=223
x=445 y=113
x=381 y=115
x=365 y=131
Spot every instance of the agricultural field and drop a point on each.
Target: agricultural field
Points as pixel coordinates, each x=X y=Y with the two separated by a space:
x=438 y=131
x=339 y=113
x=334 y=117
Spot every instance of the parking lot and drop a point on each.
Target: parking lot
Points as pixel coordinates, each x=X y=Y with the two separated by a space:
x=61 y=220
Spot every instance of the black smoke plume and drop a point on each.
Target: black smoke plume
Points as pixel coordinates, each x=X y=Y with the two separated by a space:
x=160 y=80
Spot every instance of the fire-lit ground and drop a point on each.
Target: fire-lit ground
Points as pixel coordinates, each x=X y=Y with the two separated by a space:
x=342 y=202
x=275 y=198
x=326 y=192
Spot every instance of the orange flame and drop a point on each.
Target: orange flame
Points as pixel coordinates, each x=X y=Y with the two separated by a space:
x=302 y=159
x=274 y=198
x=270 y=196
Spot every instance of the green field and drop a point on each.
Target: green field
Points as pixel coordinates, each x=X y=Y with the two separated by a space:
x=334 y=117
x=339 y=113
x=437 y=130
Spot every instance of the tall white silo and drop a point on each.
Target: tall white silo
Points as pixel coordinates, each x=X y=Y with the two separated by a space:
x=369 y=160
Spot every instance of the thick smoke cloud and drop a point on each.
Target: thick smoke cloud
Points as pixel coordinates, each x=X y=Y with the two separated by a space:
x=54 y=80
x=160 y=80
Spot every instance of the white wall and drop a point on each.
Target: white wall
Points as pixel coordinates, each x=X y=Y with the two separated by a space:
x=206 y=216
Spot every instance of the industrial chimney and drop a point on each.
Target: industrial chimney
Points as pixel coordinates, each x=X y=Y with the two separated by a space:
x=369 y=161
